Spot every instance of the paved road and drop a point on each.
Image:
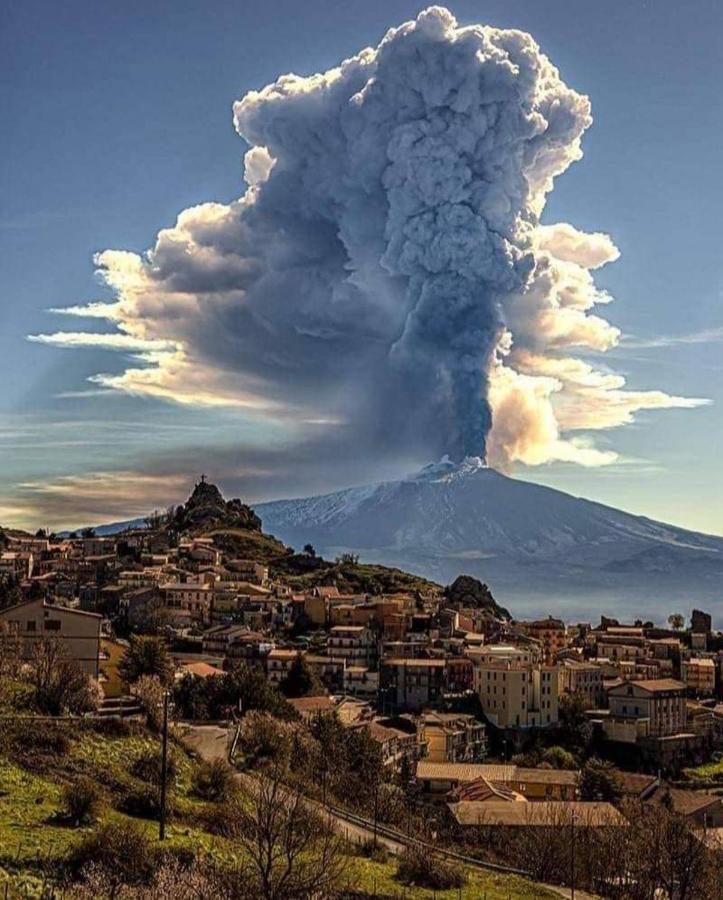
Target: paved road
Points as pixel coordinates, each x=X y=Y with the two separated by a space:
x=209 y=741
x=212 y=742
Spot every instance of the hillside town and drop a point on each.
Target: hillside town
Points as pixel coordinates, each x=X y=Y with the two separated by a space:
x=484 y=722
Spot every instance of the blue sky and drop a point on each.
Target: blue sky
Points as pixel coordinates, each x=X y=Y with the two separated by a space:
x=117 y=117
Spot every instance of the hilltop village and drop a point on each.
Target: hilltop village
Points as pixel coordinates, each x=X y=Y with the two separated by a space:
x=479 y=721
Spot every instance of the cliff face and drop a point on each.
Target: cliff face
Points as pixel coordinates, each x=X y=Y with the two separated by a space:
x=206 y=508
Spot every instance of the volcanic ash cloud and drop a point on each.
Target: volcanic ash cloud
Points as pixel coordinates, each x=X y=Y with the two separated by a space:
x=386 y=269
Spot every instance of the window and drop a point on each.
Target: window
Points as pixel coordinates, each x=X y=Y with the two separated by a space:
x=30 y=626
x=52 y=624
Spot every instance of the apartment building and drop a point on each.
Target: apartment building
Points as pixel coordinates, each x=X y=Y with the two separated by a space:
x=514 y=695
x=577 y=677
x=453 y=737
x=411 y=684
x=330 y=670
x=17 y=564
x=490 y=654
x=353 y=643
x=248 y=570
x=551 y=634
x=189 y=602
x=218 y=639
x=77 y=631
x=657 y=707
x=699 y=676
x=278 y=663
x=619 y=642
x=359 y=681
x=394 y=743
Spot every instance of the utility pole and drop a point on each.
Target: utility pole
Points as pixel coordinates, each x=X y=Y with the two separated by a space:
x=164 y=767
x=572 y=857
x=376 y=809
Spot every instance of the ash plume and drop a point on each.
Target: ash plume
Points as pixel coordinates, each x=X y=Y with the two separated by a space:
x=386 y=269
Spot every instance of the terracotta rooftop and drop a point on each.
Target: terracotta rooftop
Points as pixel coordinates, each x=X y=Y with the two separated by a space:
x=481 y=790
x=656 y=685
x=685 y=803
x=464 y=771
x=322 y=703
x=546 y=813
x=201 y=670
x=412 y=662
x=637 y=784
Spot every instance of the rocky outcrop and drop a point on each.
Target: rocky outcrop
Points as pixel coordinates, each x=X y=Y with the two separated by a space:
x=467 y=592
x=206 y=508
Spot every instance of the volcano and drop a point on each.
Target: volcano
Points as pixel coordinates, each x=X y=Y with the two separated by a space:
x=540 y=550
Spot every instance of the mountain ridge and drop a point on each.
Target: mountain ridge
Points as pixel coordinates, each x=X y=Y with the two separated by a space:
x=535 y=545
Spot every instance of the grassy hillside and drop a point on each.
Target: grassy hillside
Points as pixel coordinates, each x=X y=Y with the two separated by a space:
x=349 y=577
x=34 y=843
x=303 y=571
x=246 y=543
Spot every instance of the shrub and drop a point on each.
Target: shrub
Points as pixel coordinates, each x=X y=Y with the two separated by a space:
x=146 y=655
x=148 y=768
x=264 y=738
x=34 y=746
x=226 y=819
x=214 y=781
x=378 y=853
x=119 y=851
x=111 y=726
x=16 y=695
x=424 y=870
x=559 y=758
x=144 y=802
x=149 y=692
x=81 y=800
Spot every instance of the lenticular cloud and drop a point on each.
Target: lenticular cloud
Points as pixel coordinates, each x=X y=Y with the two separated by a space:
x=386 y=267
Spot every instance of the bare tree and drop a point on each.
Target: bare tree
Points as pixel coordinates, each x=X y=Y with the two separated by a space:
x=60 y=684
x=10 y=650
x=292 y=852
x=155 y=520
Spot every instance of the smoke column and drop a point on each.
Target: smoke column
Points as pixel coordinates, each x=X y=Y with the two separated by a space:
x=386 y=270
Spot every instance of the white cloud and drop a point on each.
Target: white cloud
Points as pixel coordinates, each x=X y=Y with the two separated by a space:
x=705 y=336
x=124 y=342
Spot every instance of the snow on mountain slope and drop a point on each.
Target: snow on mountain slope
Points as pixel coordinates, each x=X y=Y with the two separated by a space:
x=532 y=544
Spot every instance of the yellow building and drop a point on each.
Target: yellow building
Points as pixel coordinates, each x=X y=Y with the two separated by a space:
x=585 y=678
x=111 y=653
x=551 y=634
x=453 y=737
x=514 y=695
x=699 y=676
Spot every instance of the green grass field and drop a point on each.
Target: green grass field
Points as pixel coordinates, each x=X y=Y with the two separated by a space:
x=712 y=771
